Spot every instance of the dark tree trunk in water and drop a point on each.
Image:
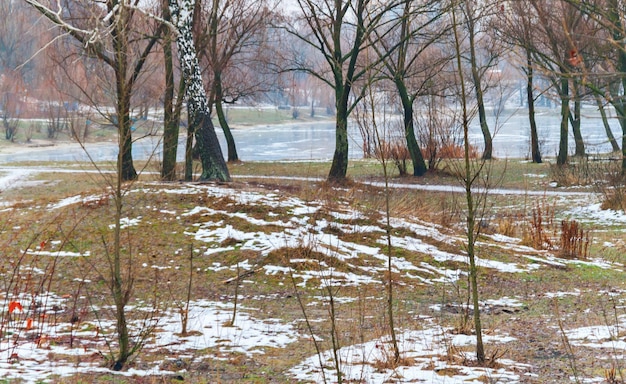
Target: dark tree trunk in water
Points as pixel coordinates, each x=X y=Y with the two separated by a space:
x=213 y=163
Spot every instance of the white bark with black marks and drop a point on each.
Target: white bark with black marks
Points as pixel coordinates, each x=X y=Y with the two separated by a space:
x=213 y=163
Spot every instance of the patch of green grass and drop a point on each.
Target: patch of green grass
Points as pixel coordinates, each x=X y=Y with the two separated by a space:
x=266 y=116
x=593 y=273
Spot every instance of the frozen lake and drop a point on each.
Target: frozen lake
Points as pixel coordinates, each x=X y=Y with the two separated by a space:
x=314 y=141
x=512 y=132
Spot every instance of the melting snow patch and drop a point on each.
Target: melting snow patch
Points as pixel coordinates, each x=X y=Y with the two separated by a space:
x=125 y=222
x=27 y=358
x=57 y=253
x=425 y=349
x=594 y=214
x=14 y=177
x=600 y=336
x=75 y=200
x=552 y=295
x=210 y=322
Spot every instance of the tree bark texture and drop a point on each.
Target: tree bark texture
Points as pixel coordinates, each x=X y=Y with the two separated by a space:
x=339 y=167
x=213 y=163
x=221 y=117
x=534 y=137
x=561 y=158
x=170 y=120
x=123 y=90
x=419 y=165
x=575 y=121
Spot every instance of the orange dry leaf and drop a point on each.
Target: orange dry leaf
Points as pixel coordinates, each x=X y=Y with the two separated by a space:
x=13 y=305
x=29 y=323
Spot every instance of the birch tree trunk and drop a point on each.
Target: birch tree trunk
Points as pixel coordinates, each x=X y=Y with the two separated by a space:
x=213 y=163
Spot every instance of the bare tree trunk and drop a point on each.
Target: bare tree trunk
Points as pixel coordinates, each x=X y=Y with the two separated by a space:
x=615 y=19
x=562 y=156
x=477 y=80
x=189 y=150
x=575 y=121
x=471 y=209
x=123 y=93
x=534 y=137
x=419 y=165
x=170 y=121
x=120 y=294
x=339 y=167
x=221 y=117
x=213 y=163
x=605 y=122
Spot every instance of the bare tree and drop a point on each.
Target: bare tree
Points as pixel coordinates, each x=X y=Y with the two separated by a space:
x=561 y=34
x=213 y=163
x=607 y=77
x=482 y=56
x=232 y=44
x=415 y=63
x=108 y=37
x=469 y=179
x=339 y=31
x=18 y=38
x=11 y=102
x=514 y=26
x=107 y=33
x=172 y=107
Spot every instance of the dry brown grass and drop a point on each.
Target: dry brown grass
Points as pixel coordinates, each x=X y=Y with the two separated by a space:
x=162 y=241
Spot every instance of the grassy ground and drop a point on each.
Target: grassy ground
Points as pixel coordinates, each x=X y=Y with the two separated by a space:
x=554 y=292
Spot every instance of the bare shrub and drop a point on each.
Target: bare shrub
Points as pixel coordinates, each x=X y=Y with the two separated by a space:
x=610 y=184
x=396 y=151
x=12 y=105
x=604 y=174
x=438 y=129
x=56 y=115
x=575 y=173
x=539 y=227
x=574 y=240
x=542 y=231
x=78 y=126
x=10 y=127
x=508 y=225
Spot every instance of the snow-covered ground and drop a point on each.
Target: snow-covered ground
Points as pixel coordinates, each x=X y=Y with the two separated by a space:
x=427 y=352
